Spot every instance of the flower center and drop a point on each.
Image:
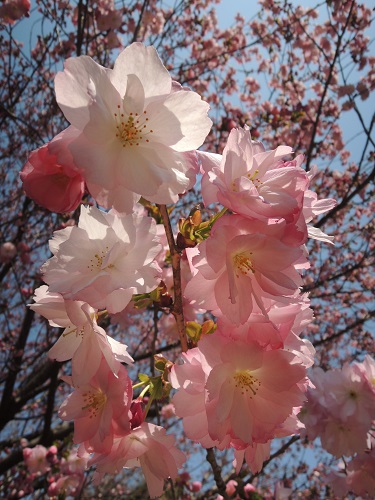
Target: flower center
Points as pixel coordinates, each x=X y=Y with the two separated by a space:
x=252 y=177
x=242 y=264
x=94 y=402
x=79 y=331
x=133 y=130
x=96 y=263
x=246 y=382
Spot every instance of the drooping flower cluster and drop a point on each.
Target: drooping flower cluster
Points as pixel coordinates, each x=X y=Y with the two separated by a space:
x=101 y=263
x=134 y=133
x=244 y=384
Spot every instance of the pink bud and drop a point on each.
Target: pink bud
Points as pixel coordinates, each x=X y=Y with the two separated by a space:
x=7 y=251
x=137 y=409
x=195 y=486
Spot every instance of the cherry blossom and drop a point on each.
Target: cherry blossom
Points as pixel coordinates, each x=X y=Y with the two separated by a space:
x=50 y=176
x=12 y=10
x=148 y=447
x=7 y=251
x=83 y=340
x=340 y=409
x=135 y=127
x=35 y=459
x=105 y=260
x=245 y=391
x=100 y=408
x=240 y=264
x=254 y=182
x=250 y=391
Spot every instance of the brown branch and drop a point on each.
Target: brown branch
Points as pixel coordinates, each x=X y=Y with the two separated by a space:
x=150 y=354
x=343 y=203
x=211 y=459
x=7 y=401
x=178 y=311
x=334 y=336
x=325 y=90
x=47 y=432
x=138 y=27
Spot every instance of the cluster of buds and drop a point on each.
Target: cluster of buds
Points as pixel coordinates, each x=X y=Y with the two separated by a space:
x=192 y=230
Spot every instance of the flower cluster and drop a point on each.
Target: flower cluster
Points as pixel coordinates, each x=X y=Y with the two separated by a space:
x=64 y=472
x=340 y=408
x=134 y=134
x=244 y=384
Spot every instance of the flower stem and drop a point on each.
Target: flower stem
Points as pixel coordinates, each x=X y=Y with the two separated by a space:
x=178 y=311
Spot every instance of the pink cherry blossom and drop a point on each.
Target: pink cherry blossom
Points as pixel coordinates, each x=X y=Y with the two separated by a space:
x=247 y=393
x=105 y=260
x=66 y=485
x=100 y=409
x=251 y=391
x=255 y=455
x=340 y=409
x=148 y=447
x=282 y=328
x=254 y=182
x=83 y=340
x=241 y=263
x=361 y=478
x=342 y=437
x=231 y=487
x=74 y=463
x=136 y=129
x=348 y=394
x=36 y=459
x=189 y=375
x=50 y=176
x=313 y=207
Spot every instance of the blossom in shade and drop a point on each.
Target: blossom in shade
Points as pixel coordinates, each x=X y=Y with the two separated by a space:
x=138 y=130
x=357 y=477
x=361 y=478
x=83 y=340
x=147 y=446
x=50 y=176
x=105 y=260
x=7 y=252
x=100 y=408
x=241 y=264
x=69 y=485
x=36 y=459
x=255 y=455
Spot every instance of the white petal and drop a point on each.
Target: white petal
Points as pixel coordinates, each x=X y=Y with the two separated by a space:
x=145 y=63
